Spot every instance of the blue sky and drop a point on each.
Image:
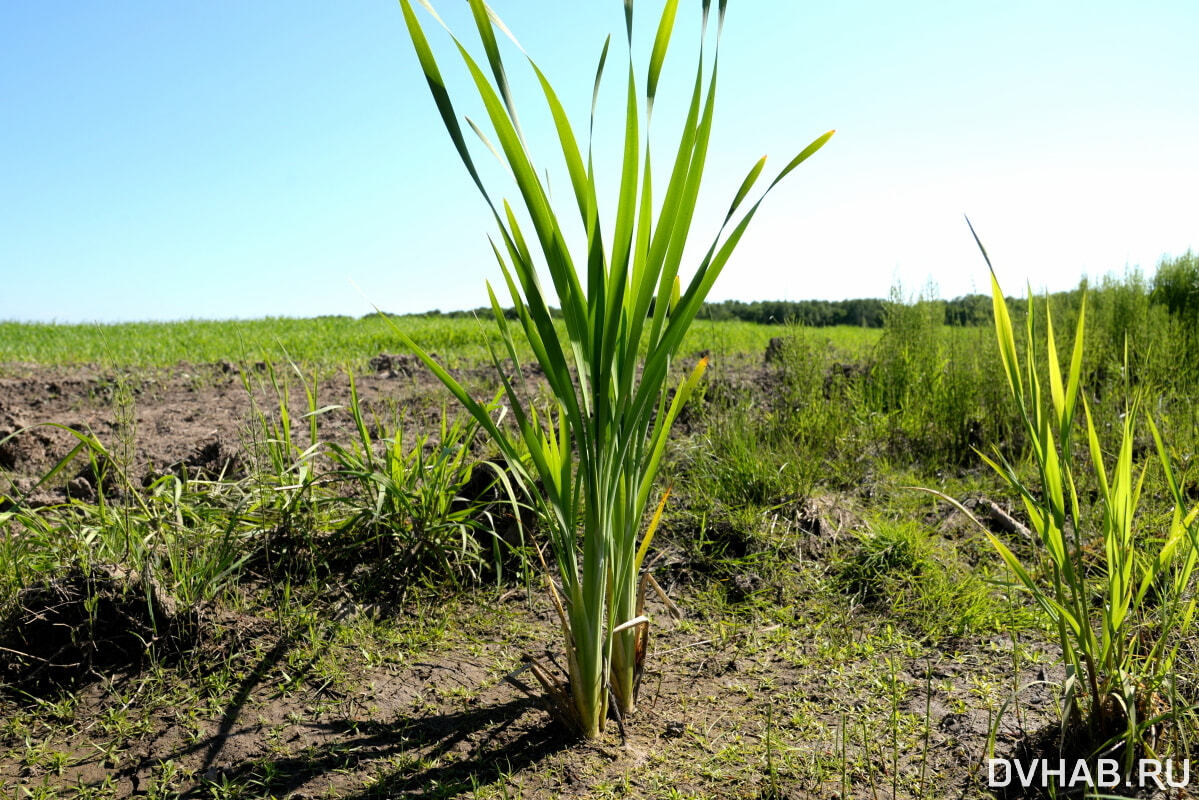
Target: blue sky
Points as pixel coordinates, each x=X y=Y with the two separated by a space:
x=232 y=159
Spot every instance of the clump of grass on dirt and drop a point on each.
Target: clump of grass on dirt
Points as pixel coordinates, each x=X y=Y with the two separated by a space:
x=899 y=568
x=1121 y=623
x=595 y=450
x=421 y=507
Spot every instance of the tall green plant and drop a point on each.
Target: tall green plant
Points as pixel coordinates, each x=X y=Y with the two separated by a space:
x=1119 y=629
x=596 y=448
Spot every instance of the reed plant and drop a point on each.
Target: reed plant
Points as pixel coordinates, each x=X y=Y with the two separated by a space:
x=1119 y=625
x=595 y=448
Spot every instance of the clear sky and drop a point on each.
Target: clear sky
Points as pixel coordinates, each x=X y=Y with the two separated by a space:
x=226 y=159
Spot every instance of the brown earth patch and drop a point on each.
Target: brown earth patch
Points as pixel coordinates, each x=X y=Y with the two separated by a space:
x=440 y=721
x=197 y=418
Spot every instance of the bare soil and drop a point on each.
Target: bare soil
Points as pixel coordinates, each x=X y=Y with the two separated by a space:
x=439 y=722
x=195 y=416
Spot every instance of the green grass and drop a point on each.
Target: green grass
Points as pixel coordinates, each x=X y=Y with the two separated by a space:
x=332 y=341
x=1101 y=611
x=595 y=449
x=328 y=341
x=901 y=569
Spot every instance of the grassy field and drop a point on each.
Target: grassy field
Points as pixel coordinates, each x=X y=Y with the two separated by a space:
x=330 y=606
x=327 y=341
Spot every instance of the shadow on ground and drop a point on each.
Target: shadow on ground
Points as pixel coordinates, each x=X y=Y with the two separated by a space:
x=441 y=754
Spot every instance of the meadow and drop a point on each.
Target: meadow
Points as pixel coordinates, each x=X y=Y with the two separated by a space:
x=334 y=342
x=252 y=562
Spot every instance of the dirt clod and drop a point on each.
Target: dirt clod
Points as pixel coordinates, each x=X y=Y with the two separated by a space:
x=394 y=365
x=91 y=620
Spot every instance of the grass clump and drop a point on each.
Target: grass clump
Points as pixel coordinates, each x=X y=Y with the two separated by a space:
x=420 y=507
x=747 y=460
x=934 y=387
x=1121 y=602
x=595 y=449
x=919 y=580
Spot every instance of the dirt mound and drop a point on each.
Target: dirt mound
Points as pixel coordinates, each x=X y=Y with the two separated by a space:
x=395 y=364
x=193 y=418
x=213 y=458
x=88 y=622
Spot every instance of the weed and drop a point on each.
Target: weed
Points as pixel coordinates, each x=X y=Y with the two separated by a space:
x=423 y=506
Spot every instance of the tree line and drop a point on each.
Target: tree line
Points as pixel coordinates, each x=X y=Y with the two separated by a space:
x=1175 y=285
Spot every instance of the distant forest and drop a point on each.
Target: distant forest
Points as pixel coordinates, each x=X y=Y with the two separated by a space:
x=871 y=312
x=1174 y=285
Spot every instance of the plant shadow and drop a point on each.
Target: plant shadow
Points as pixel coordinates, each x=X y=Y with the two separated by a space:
x=434 y=755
